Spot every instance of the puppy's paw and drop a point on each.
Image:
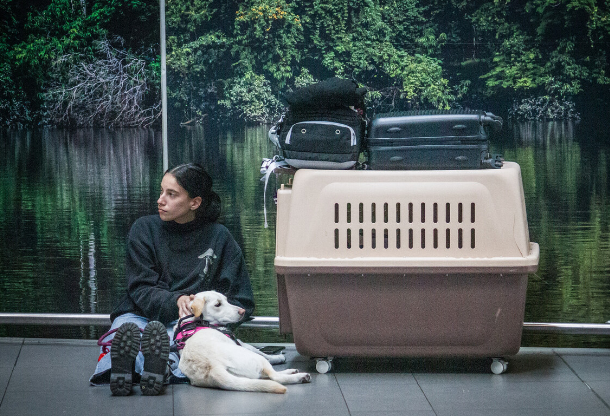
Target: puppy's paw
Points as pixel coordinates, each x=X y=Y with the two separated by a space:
x=306 y=378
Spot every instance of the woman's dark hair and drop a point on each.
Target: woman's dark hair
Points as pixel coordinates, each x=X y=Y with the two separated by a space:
x=197 y=182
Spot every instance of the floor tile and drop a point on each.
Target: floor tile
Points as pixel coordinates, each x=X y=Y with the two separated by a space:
x=399 y=413
x=588 y=366
x=521 y=412
x=581 y=351
x=528 y=365
x=384 y=397
x=287 y=412
x=5 y=376
x=403 y=379
x=50 y=377
x=51 y=355
x=9 y=351
x=504 y=395
x=55 y=378
x=92 y=402
x=602 y=389
x=321 y=396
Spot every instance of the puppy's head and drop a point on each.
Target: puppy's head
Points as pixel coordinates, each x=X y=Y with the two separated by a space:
x=215 y=308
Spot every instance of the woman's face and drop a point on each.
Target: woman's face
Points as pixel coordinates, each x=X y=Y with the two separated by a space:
x=174 y=203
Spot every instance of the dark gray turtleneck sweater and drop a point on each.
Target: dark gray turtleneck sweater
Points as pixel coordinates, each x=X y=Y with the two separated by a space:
x=166 y=260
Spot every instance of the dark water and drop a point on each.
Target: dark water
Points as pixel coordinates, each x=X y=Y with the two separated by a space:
x=68 y=199
x=565 y=169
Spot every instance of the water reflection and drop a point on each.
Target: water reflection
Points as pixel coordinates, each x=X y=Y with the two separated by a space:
x=565 y=183
x=543 y=133
x=69 y=198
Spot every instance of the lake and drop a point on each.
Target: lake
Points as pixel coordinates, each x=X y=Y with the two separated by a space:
x=69 y=198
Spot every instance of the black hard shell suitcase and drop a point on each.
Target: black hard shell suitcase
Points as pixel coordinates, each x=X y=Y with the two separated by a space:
x=321 y=139
x=432 y=140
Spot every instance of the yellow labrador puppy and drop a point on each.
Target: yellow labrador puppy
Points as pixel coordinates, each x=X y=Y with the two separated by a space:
x=210 y=358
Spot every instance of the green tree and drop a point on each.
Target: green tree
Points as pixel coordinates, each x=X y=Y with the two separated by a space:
x=234 y=58
x=386 y=45
x=199 y=36
x=544 y=46
x=60 y=28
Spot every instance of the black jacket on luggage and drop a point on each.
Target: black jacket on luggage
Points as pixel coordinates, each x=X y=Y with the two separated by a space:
x=324 y=125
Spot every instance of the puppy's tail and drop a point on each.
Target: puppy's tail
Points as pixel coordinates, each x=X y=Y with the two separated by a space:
x=221 y=378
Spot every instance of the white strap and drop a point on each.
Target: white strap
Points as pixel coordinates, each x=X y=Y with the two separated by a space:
x=272 y=166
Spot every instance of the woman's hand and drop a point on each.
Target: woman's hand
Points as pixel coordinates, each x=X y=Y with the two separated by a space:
x=183 y=305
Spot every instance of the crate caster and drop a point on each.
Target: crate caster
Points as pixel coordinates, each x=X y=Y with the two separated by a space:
x=324 y=365
x=498 y=366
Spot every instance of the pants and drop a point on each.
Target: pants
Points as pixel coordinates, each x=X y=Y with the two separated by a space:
x=101 y=374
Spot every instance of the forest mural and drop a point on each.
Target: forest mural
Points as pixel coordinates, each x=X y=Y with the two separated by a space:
x=96 y=63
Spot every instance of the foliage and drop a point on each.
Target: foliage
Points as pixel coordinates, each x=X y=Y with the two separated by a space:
x=109 y=89
x=13 y=104
x=408 y=53
x=543 y=47
x=249 y=98
x=386 y=45
x=267 y=33
x=64 y=28
x=405 y=52
x=543 y=108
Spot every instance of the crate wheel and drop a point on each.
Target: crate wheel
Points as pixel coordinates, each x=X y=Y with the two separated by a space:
x=499 y=366
x=323 y=365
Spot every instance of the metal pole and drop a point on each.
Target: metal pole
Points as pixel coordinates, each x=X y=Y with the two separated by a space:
x=163 y=89
x=50 y=319
x=272 y=322
x=82 y=319
x=567 y=328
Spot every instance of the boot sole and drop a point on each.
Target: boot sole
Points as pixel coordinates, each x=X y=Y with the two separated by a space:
x=123 y=352
x=155 y=348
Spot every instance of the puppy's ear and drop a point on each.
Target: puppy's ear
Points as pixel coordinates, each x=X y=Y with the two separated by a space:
x=197 y=307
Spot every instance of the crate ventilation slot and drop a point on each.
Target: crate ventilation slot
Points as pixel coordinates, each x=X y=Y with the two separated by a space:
x=405 y=225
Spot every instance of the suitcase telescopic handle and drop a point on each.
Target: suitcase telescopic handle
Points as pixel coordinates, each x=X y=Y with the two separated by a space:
x=494 y=121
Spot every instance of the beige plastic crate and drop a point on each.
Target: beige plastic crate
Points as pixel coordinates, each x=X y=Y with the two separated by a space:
x=443 y=253
x=404 y=218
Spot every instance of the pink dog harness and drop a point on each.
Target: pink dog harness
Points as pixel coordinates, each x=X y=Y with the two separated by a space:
x=190 y=325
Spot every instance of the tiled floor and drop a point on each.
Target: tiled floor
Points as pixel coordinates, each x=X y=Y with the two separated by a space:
x=50 y=377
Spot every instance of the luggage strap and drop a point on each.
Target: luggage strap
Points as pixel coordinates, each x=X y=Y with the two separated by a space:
x=268 y=166
x=107 y=344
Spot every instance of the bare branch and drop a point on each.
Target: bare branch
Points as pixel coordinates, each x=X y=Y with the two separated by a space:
x=108 y=91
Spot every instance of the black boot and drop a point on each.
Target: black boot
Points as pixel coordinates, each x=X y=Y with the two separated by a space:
x=124 y=349
x=155 y=348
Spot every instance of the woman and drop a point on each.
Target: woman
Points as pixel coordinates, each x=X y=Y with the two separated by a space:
x=170 y=257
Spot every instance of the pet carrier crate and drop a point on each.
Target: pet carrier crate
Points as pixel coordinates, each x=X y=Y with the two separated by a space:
x=404 y=263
